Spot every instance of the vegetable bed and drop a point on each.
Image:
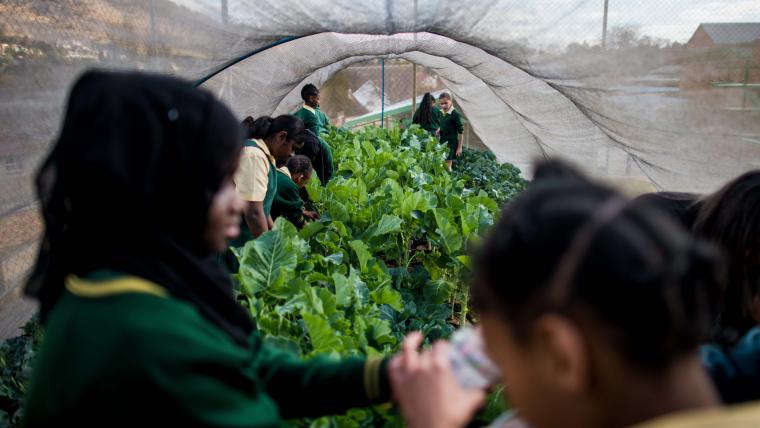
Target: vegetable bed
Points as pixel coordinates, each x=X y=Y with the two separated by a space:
x=389 y=256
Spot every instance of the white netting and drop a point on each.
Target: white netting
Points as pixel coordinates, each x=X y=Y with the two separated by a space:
x=530 y=77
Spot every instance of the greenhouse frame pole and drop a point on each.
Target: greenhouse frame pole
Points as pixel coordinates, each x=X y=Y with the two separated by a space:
x=414 y=88
x=382 y=93
x=153 y=36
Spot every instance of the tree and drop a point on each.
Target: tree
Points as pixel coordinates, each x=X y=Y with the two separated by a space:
x=623 y=37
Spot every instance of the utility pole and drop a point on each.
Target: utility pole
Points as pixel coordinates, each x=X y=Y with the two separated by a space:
x=604 y=25
x=225 y=14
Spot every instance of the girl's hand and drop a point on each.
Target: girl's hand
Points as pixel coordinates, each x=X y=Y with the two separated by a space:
x=311 y=214
x=426 y=389
x=458 y=153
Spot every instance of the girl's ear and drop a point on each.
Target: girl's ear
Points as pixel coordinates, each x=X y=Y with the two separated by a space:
x=282 y=136
x=566 y=356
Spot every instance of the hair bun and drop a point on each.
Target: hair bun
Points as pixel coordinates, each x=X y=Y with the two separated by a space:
x=260 y=127
x=558 y=170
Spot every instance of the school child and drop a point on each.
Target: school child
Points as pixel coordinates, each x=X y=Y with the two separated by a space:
x=594 y=309
x=428 y=116
x=452 y=128
x=269 y=140
x=680 y=206
x=321 y=160
x=292 y=177
x=141 y=326
x=317 y=122
x=730 y=218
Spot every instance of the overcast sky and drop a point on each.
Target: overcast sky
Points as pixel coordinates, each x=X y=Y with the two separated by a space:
x=674 y=20
x=564 y=21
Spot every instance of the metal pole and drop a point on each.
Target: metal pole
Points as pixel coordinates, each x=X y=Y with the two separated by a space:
x=746 y=81
x=225 y=14
x=604 y=25
x=382 y=93
x=414 y=88
x=153 y=36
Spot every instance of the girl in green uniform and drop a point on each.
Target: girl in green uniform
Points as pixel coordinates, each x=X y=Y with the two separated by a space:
x=320 y=159
x=269 y=140
x=428 y=116
x=594 y=308
x=451 y=128
x=317 y=122
x=291 y=178
x=140 y=321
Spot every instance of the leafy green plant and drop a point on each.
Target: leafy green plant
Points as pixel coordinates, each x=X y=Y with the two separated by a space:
x=389 y=255
x=481 y=171
x=16 y=357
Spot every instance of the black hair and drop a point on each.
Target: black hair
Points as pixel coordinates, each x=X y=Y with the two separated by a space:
x=444 y=95
x=312 y=149
x=731 y=219
x=266 y=126
x=129 y=142
x=578 y=248
x=424 y=114
x=248 y=126
x=299 y=164
x=308 y=90
x=682 y=207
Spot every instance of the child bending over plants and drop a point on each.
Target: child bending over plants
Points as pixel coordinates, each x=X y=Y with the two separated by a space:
x=291 y=178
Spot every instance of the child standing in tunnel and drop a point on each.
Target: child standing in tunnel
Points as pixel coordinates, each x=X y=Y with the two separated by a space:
x=452 y=128
x=317 y=122
x=428 y=116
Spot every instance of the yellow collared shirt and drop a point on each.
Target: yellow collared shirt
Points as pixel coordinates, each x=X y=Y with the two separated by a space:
x=252 y=175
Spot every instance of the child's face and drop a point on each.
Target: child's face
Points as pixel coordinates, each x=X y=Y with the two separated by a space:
x=541 y=371
x=302 y=179
x=223 y=221
x=284 y=147
x=445 y=104
x=314 y=100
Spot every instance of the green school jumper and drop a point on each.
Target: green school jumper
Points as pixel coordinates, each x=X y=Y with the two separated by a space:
x=287 y=200
x=121 y=351
x=314 y=119
x=245 y=232
x=451 y=127
x=317 y=122
x=436 y=122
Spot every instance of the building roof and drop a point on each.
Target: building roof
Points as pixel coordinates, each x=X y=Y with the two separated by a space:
x=732 y=33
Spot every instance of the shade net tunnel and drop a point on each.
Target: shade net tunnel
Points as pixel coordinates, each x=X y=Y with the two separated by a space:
x=666 y=92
